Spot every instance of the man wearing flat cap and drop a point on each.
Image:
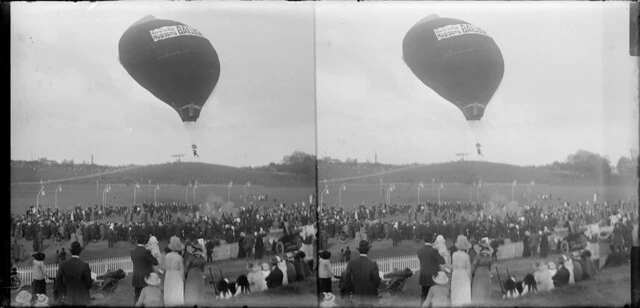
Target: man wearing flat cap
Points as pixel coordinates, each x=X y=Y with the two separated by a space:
x=363 y=277
x=74 y=279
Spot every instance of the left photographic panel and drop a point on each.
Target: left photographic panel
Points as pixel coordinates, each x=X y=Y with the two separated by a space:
x=170 y=146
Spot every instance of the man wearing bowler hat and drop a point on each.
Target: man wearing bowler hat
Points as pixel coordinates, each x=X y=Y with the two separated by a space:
x=430 y=261
x=363 y=277
x=74 y=279
x=143 y=262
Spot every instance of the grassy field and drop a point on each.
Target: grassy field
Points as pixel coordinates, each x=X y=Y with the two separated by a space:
x=23 y=196
x=357 y=193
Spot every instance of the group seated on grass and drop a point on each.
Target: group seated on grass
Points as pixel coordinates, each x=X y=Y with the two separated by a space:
x=283 y=271
x=548 y=276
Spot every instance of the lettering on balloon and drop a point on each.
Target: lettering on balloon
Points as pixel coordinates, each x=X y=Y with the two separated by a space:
x=456 y=30
x=173 y=31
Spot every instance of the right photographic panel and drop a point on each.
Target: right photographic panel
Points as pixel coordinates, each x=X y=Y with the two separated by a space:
x=476 y=153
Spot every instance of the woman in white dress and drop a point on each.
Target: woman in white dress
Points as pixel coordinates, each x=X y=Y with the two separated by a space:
x=256 y=278
x=461 y=277
x=441 y=245
x=174 y=274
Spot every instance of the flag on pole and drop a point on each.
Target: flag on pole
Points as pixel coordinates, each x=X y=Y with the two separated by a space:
x=441 y=185
x=421 y=185
x=157 y=186
x=515 y=182
x=327 y=190
x=196 y=185
x=344 y=186
x=248 y=184
x=230 y=184
x=137 y=186
x=479 y=182
x=42 y=192
x=59 y=188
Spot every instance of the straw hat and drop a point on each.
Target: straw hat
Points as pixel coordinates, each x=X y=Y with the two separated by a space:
x=329 y=297
x=153 y=279
x=175 y=244
x=42 y=299
x=441 y=278
x=23 y=297
x=153 y=240
x=439 y=240
x=462 y=243
x=265 y=266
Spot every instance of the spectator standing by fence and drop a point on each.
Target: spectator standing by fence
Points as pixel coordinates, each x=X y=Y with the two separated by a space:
x=74 y=279
x=362 y=277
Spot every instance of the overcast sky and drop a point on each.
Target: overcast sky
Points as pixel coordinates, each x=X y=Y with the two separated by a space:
x=569 y=84
x=71 y=98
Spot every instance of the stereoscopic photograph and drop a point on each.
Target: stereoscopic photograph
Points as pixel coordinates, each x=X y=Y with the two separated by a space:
x=323 y=154
x=474 y=153
x=162 y=154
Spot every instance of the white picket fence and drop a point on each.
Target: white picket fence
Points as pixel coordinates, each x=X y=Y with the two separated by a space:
x=104 y=265
x=385 y=265
x=97 y=266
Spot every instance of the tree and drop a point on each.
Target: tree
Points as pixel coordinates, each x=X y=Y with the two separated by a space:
x=587 y=162
x=628 y=165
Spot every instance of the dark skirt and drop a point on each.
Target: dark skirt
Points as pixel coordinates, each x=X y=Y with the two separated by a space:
x=324 y=285
x=39 y=286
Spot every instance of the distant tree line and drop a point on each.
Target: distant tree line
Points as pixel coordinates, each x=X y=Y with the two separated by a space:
x=591 y=163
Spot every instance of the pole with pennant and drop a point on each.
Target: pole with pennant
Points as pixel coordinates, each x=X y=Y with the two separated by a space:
x=40 y=193
x=97 y=188
x=105 y=192
x=324 y=191
x=155 y=200
x=135 y=188
x=421 y=185
x=229 y=191
x=56 y=195
x=470 y=190
x=433 y=183
x=195 y=186
x=149 y=190
x=389 y=190
x=478 y=189
x=513 y=186
x=186 y=193
x=439 y=189
x=246 y=190
x=344 y=187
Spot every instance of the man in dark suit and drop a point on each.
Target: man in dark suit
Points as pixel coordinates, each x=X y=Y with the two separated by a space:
x=143 y=263
x=276 y=276
x=430 y=261
x=73 y=280
x=362 y=277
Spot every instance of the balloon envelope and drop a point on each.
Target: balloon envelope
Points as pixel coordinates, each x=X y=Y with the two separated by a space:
x=173 y=61
x=459 y=61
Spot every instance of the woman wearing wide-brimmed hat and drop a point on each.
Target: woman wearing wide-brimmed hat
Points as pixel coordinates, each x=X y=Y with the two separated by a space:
x=39 y=284
x=174 y=274
x=23 y=299
x=461 y=277
x=194 y=280
x=256 y=278
x=481 y=269
x=151 y=295
x=543 y=277
x=439 y=295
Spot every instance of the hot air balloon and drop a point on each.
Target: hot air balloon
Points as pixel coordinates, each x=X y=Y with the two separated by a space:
x=458 y=60
x=174 y=62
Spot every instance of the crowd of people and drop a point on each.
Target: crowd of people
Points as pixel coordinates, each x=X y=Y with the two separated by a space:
x=474 y=220
x=121 y=223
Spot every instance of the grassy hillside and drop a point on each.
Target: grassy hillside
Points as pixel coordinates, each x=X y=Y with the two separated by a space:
x=459 y=172
x=170 y=173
